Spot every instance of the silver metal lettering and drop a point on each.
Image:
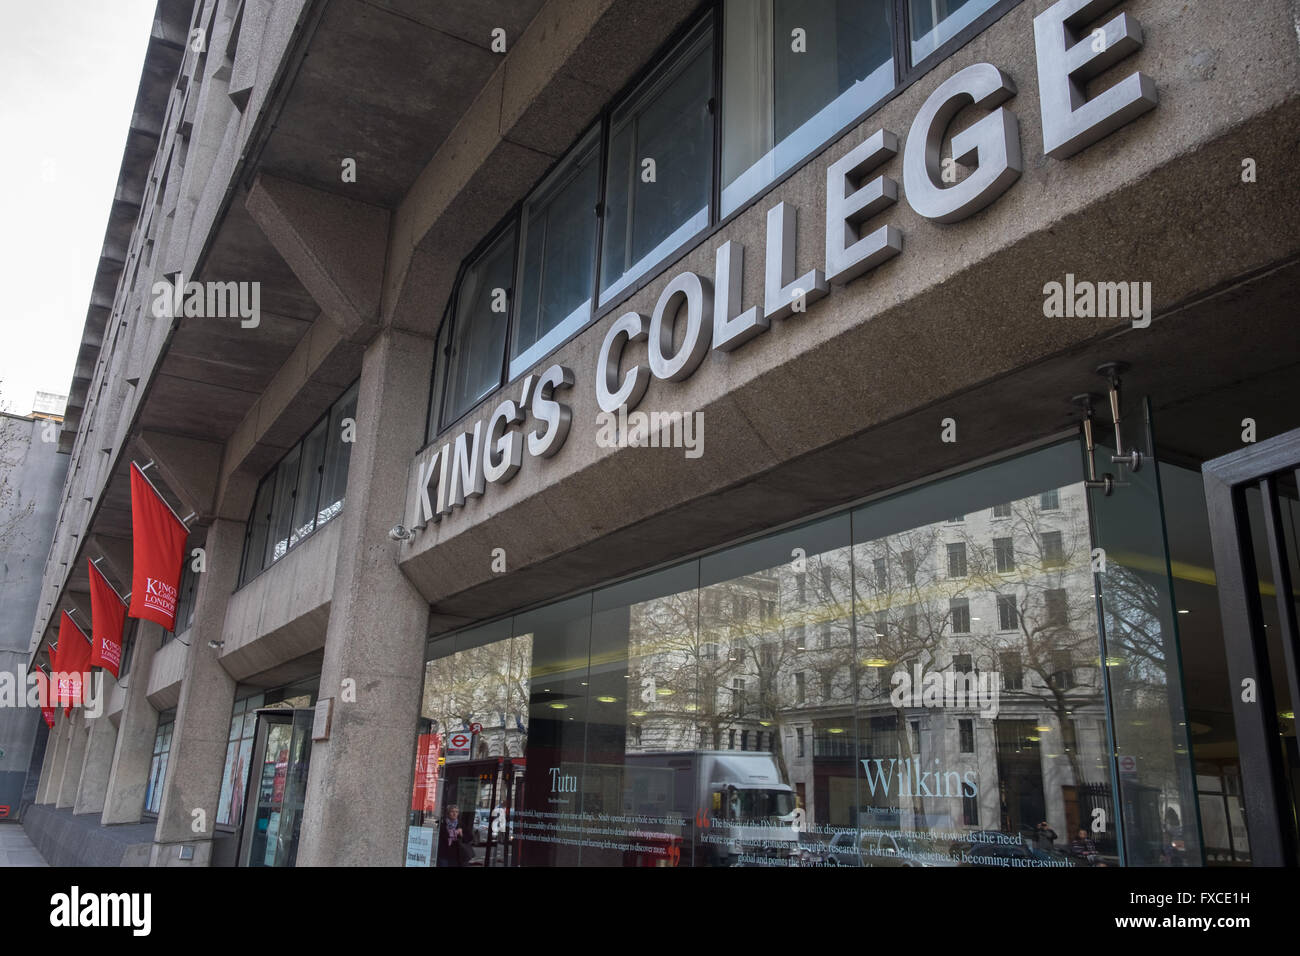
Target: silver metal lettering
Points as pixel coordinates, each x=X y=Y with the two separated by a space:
x=993 y=142
x=1066 y=62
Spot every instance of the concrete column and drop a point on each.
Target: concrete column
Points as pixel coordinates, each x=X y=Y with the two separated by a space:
x=198 y=750
x=96 y=767
x=359 y=783
x=44 y=789
x=76 y=755
x=128 y=778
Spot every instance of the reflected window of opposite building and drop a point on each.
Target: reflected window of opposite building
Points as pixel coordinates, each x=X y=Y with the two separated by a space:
x=607 y=735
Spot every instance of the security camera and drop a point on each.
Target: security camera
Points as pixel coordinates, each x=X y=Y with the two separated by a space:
x=399 y=533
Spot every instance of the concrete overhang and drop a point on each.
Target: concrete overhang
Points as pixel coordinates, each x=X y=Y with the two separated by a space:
x=848 y=399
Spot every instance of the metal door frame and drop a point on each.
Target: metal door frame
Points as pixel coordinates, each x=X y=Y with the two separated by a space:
x=252 y=784
x=1266 y=794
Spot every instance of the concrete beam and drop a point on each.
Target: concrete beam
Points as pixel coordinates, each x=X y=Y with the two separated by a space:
x=118 y=558
x=334 y=245
x=191 y=468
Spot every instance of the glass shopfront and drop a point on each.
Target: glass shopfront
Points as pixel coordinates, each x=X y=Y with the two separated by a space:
x=918 y=681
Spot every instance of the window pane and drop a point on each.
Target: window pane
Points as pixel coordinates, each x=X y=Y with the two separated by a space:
x=997 y=795
x=660 y=157
x=258 y=525
x=646 y=715
x=439 y=380
x=558 y=258
x=334 y=480
x=309 y=481
x=780 y=686
x=286 y=479
x=478 y=339
x=784 y=93
x=935 y=22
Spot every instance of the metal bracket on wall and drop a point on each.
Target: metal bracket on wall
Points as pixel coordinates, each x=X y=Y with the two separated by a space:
x=1131 y=459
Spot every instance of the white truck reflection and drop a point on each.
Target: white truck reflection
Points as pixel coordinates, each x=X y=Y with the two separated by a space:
x=743 y=813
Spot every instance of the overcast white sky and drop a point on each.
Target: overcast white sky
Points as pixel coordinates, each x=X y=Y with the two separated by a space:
x=69 y=70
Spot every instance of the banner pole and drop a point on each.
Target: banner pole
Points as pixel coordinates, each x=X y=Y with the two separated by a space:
x=160 y=497
x=95 y=565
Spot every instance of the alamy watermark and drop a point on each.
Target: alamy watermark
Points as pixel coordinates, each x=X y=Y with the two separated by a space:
x=1100 y=300
x=626 y=429
x=951 y=688
x=58 y=690
x=208 y=300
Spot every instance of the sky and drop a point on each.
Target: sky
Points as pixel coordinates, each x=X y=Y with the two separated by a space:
x=69 y=70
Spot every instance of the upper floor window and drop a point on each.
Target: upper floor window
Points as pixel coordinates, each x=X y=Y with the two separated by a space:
x=752 y=90
x=478 y=329
x=935 y=22
x=660 y=158
x=557 y=257
x=303 y=492
x=795 y=73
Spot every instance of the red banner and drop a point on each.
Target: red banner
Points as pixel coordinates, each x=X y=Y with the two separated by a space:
x=159 y=551
x=46 y=697
x=107 y=621
x=73 y=662
x=424 y=795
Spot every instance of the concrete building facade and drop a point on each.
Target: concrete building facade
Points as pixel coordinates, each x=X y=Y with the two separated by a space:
x=391 y=291
x=32 y=473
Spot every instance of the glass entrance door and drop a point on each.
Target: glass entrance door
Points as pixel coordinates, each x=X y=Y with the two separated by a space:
x=277 y=787
x=1141 y=660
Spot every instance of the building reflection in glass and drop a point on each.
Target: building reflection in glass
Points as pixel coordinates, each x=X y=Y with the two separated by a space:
x=915 y=682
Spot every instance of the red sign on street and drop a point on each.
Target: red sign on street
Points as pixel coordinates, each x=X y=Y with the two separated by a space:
x=476 y=728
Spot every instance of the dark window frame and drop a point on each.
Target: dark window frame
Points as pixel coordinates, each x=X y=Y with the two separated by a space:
x=245 y=576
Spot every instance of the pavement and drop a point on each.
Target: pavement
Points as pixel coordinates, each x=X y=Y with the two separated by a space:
x=16 y=849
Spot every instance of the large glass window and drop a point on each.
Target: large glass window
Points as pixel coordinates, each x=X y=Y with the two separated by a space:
x=303 y=492
x=239 y=749
x=162 y=746
x=478 y=331
x=667 y=719
x=935 y=22
x=557 y=257
x=282 y=502
x=660 y=159
x=334 y=479
x=307 y=493
x=795 y=73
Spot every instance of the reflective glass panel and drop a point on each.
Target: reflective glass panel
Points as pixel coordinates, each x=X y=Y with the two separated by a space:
x=795 y=73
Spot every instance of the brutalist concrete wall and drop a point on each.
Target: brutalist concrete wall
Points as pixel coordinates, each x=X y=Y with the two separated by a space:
x=1160 y=198
x=31 y=477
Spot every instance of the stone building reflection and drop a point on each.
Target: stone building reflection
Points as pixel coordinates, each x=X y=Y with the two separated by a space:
x=1002 y=599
